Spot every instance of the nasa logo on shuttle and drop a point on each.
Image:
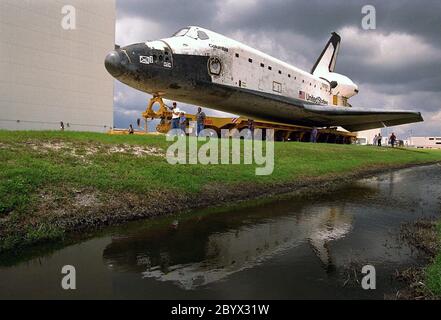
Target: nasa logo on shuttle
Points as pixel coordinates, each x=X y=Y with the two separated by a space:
x=146 y=59
x=214 y=66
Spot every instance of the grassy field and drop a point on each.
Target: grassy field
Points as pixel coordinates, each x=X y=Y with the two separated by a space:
x=51 y=181
x=433 y=272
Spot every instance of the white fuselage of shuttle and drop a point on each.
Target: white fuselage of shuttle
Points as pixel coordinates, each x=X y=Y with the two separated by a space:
x=201 y=67
x=245 y=67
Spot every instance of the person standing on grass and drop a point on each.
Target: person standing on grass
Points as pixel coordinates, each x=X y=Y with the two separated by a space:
x=175 y=116
x=182 y=122
x=131 y=131
x=393 y=139
x=379 y=140
x=314 y=134
x=61 y=125
x=250 y=125
x=374 y=143
x=200 y=121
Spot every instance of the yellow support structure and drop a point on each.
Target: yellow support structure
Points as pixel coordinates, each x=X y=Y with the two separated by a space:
x=283 y=132
x=162 y=112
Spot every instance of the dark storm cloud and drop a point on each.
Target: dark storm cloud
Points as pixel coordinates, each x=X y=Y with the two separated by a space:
x=413 y=17
x=314 y=18
x=401 y=57
x=171 y=15
x=420 y=76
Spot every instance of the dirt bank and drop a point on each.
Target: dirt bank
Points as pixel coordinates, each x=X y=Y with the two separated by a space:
x=64 y=211
x=422 y=236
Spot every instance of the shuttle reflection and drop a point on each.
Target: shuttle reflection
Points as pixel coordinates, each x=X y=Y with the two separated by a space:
x=199 y=254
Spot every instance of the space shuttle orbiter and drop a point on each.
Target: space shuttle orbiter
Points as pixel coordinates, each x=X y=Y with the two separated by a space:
x=201 y=67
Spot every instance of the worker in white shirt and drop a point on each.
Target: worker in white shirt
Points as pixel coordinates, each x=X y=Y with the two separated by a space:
x=176 y=113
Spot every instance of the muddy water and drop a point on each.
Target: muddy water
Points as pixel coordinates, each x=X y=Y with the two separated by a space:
x=308 y=247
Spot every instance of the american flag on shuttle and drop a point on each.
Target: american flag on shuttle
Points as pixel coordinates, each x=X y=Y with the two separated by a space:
x=302 y=95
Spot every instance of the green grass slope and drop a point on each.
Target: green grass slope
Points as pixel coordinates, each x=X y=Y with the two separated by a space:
x=45 y=176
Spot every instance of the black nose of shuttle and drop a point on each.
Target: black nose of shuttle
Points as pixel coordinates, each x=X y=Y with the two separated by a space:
x=114 y=64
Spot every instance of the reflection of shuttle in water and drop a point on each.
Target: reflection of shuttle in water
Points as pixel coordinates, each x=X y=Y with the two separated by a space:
x=244 y=247
x=236 y=250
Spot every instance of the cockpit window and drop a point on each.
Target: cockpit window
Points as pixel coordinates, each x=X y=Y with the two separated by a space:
x=202 y=35
x=181 y=32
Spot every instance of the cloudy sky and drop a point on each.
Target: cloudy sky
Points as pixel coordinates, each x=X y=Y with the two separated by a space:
x=397 y=66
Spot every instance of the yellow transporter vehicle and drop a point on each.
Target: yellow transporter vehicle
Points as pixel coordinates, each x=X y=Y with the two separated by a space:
x=282 y=132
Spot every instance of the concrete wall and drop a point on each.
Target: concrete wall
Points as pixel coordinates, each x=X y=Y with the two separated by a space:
x=49 y=74
x=425 y=142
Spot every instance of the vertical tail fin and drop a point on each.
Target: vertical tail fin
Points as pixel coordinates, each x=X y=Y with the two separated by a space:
x=328 y=58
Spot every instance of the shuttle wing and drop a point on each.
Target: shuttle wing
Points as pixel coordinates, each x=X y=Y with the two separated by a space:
x=358 y=119
x=276 y=108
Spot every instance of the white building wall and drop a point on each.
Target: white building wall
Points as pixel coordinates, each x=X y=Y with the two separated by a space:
x=425 y=142
x=49 y=74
